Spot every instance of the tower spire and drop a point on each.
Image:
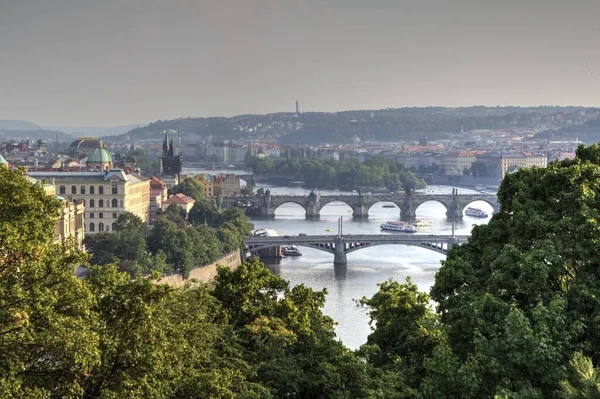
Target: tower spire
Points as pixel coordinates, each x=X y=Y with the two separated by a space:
x=165 y=146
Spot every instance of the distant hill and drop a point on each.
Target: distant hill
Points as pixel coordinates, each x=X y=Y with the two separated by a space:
x=367 y=125
x=588 y=132
x=17 y=125
x=48 y=135
x=95 y=131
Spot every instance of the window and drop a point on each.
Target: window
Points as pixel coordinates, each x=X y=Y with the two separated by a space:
x=107 y=228
x=73 y=190
x=82 y=190
x=91 y=189
x=83 y=201
x=114 y=226
x=115 y=203
x=100 y=226
x=121 y=203
x=101 y=190
x=114 y=187
x=63 y=190
x=92 y=203
x=92 y=226
x=101 y=203
x=100 y=215
x=114 y=217
x=91 y=215
x=108 y=203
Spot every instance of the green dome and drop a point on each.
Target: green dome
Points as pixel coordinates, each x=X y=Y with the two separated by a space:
x=99 y=155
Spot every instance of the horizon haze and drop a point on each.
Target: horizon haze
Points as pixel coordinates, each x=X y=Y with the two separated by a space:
x=114 y=63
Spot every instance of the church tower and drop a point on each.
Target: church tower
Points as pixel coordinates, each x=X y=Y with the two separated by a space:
x=171 y=164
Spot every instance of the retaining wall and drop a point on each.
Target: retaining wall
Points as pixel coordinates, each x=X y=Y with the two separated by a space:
x=206 y=273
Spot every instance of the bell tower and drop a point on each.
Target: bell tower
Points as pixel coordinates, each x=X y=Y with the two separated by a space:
x=171 y=164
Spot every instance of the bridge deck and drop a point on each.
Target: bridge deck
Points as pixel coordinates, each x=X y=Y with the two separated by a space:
x=380 y=238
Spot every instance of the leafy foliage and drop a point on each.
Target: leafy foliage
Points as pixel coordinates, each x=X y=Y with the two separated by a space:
x=347 y=174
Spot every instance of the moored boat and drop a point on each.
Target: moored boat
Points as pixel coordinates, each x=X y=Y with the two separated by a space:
x=290 y=250
x=402 y=227
x=475 y=212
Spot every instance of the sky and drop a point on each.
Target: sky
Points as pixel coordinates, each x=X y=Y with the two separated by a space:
x=112 y=62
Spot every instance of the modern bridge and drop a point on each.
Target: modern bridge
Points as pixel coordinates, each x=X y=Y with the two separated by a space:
x=340 y=245
x=264 y=206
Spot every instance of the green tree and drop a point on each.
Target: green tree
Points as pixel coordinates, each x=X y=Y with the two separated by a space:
x=205 y=211
x=48 y=340
x=407 y=330
x=521 y=297
x=190 y=187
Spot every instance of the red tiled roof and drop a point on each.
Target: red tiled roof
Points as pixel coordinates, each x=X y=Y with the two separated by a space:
x=179 y=199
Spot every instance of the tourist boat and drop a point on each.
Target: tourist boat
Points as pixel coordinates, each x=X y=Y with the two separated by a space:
x=475 y=212
x=290 y=250
x=402 y=227
x=389 y=206
x=422 y=223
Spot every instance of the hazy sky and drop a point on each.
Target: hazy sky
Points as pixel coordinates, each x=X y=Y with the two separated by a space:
x=112 y=62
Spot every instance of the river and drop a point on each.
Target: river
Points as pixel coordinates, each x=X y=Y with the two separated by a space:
x=367 y=267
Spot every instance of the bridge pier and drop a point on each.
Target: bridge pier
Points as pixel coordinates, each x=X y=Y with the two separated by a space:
x=454 y=211
x=265 y=212
x=407 y=211
x=313 y=212
x=360 y=212
x=339 y=253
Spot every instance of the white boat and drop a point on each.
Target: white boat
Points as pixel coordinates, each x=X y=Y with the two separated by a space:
x=402 y=227
x=421 y=223
x=475 y=212
x=290 y=250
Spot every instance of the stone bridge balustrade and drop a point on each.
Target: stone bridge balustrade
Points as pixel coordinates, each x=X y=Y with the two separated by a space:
x=264 y=206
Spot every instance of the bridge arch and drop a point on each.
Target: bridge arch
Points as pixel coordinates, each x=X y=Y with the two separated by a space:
x=324 y=203
x=398 y=205
x=417 y=204
x=298 y=202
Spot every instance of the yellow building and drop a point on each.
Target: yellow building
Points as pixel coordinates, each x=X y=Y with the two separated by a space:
x=207 y=183
x=70 y=224
x=105 y=195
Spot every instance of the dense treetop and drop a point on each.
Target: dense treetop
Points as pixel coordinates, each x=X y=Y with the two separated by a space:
x=516 y=312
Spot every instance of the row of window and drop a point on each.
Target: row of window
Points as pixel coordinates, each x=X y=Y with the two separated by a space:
x=114 y=189
x=101 y=227
x=109 y=203
x=101 y=215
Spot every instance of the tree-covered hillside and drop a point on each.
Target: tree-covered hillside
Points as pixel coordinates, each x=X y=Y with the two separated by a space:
x=341 y=127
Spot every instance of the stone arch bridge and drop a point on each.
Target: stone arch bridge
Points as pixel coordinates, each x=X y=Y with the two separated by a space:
x=264 y=206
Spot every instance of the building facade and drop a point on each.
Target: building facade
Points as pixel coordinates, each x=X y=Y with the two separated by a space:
x=105 y=195
x=206 y=181
x=226 y=185
x=158 y=195
x=498 y=164
x=70 y=223
x=455 y=163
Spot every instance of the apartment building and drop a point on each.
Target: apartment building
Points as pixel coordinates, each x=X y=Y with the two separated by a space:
x=498 y=164
x=105 y=195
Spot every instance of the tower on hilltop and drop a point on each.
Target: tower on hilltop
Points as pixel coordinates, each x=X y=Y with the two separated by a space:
x=171 y=164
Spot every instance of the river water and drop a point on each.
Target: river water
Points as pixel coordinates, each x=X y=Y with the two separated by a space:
x=367 y=267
